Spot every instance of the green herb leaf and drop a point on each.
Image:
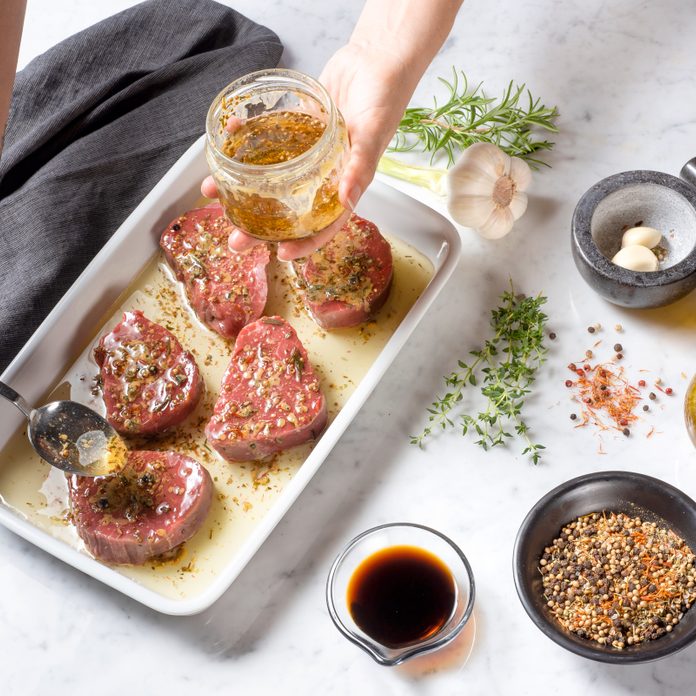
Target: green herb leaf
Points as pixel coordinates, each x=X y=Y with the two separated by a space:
x=507 y=366
x=469 y=116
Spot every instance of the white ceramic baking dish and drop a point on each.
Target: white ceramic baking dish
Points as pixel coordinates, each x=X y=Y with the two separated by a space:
x=73 y=321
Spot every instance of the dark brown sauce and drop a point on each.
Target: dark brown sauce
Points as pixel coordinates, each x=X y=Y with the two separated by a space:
x=401 y=595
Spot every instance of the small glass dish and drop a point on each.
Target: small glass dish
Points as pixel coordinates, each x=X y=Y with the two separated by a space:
x=383 y=537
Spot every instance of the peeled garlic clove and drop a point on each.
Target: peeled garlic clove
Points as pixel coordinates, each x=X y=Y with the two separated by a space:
x=636 y=258
x=642 y=236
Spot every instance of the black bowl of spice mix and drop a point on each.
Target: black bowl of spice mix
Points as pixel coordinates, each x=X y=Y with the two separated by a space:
x=604 y=565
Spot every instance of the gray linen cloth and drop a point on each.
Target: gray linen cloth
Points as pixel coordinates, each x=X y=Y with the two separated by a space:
x=95 y=122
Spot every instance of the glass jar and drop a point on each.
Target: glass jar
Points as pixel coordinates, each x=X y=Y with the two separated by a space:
x=282 y=200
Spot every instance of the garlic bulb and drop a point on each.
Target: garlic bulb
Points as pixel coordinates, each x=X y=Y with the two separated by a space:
x=484 y=188
x=642 y=236
x=636 y=258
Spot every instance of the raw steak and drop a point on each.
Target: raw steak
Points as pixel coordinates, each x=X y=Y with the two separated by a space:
x=227 y=289
x=270 y=397
x=346 y=281
x=149 y=382
x=157 y=502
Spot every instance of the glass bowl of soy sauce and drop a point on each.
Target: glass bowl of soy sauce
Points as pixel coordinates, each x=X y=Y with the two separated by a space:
x=400 y=590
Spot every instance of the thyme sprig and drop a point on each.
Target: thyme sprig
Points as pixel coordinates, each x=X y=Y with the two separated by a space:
x=469 y=117
x=507 y=366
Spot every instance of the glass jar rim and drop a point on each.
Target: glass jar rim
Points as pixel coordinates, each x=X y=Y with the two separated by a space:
x=274 y=77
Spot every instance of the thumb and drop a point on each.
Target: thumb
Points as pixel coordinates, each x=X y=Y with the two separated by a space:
x=358 y=173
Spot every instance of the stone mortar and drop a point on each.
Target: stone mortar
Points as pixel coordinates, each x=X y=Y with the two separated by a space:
x=623 y=200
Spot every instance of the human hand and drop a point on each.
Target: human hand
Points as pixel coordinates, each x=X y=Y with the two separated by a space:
x=369 y=86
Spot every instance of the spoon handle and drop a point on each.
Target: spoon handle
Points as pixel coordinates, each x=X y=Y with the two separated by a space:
x=11 y=395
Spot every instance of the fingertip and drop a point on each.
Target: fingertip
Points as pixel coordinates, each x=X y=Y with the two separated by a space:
x=240 y=241
x=285 y=254
x=356 y=178
x=208 y=187
x=349 y=190
x=233 y=124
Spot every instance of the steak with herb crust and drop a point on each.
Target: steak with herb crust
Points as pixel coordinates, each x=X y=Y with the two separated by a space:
x=270 y=398
x=158 y=501
x=227 y=289
x=149 y=382
x=348 y=280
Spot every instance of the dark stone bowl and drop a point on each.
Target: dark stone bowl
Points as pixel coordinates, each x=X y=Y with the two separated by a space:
x=610 y=491
x=657 y=200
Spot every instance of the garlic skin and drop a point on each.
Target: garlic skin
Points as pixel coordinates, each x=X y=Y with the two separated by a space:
x=642 y=236
x=636 y=258
x=485 y=190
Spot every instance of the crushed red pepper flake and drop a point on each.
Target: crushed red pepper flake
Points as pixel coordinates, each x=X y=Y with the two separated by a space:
x=607 y=399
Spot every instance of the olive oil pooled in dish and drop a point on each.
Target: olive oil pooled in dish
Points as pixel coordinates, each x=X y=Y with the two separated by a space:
x=401 y=595
x=244 y=492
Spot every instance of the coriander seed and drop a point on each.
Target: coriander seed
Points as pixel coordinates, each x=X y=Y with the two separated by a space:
x=589 y=596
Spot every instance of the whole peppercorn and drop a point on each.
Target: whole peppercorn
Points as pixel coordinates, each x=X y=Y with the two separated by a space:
x=618 y=348
x=552 y=336
x=596 y=585
x=626 y=432
x=652 y=396
x=573 y=416
x=591 y=329
x=568 y=383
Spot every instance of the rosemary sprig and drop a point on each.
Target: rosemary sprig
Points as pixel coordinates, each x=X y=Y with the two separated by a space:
x=469 y=117
x=507 y=365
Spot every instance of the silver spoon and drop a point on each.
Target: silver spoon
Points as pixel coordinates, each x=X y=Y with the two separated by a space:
x=70 y=436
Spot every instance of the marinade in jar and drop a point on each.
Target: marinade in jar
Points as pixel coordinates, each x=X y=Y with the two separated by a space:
x=277 y=172
x=273 y=137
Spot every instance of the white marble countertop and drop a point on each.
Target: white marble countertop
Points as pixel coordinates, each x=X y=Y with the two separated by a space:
x=622 y=74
